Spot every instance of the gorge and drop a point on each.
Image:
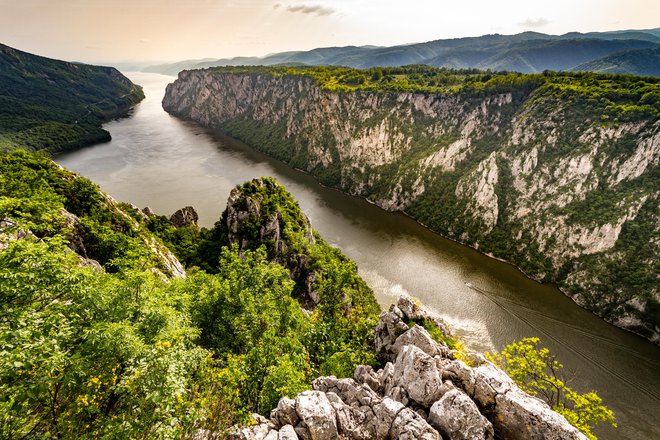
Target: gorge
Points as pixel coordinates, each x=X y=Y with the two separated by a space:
x=160 y=161
x=531 y=169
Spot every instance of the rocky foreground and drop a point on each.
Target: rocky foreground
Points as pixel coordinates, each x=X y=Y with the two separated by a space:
x=424 y=392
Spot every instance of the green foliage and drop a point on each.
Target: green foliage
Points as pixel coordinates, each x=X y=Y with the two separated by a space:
x=538 y=372
x=53 y=105
x=127 y=353
x=94 y=354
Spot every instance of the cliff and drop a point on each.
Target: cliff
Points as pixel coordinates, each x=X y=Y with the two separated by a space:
x=555 y=173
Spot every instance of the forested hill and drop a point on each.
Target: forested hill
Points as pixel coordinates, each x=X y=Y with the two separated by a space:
x=56 y=105
x=103 y=335
x=527 y=52
x=637 y=62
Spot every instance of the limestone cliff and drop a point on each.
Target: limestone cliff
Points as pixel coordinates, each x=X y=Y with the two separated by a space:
x=546 y=182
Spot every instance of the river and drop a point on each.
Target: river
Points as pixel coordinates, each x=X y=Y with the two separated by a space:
x=159 y=161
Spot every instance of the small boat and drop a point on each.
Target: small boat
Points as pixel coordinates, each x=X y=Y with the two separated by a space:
x=470 y=285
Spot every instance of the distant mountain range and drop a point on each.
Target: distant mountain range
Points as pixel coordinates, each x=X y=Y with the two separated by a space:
x=529 y=52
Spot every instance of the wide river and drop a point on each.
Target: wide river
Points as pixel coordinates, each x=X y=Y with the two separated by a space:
x=159 y=161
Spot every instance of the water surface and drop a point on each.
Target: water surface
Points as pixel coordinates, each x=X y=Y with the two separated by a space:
x=159 y=161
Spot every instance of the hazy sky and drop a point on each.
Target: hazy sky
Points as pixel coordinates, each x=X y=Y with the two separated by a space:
x=161 y=30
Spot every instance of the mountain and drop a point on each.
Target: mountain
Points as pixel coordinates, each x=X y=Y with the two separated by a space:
x=525 y=52
x=55 y=105
x=556 y=172
x=637 y=62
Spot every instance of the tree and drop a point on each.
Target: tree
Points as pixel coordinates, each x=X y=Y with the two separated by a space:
x=537 y=372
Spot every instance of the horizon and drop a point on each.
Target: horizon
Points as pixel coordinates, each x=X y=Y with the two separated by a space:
x=151 y=31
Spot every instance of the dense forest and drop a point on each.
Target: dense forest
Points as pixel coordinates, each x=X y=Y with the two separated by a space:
x=53 y=105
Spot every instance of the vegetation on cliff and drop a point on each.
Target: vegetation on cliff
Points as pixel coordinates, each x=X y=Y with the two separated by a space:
x=55 y=105
x=621 y=97
x=121 y=349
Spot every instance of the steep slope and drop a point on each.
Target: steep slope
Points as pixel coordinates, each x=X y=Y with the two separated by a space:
x=556 y=173
x=55 y=105
x=637 y=62
x=44 y=201
x=524 y=52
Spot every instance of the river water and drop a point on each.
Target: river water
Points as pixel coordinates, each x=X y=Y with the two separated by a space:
x=159 y=161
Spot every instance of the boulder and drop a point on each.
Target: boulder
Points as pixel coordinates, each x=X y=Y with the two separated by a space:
x=390 y=326
x=417 y=373
x=519 y=416
x=317 y=416
x=262 y=429
x=420 y=338
x=408 y=425
x=457 y=417
x=184 y=217
x=285 y=413
x=287 y=433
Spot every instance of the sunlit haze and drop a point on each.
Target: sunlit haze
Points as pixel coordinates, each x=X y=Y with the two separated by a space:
x=167 y=30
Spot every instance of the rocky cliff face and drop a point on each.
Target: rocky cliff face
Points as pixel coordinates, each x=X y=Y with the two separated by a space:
x=526 y=177
x=424 y=393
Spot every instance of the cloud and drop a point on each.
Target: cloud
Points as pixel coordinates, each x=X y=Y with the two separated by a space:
x=319 y=10
x=145 y=40
x=534 y=23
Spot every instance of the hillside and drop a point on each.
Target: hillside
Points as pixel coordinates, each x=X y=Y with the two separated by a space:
x=528 y=52
x=556 y=173
x=644 y=62
x=55 y=105
x=104 y=334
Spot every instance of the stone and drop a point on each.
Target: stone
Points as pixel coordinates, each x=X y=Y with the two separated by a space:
x=262 y=429
x=365 y=374
x=390 y=326
x=457 y=417
x=519 y=416
x=420 y=338
x=317 y=415
x=385 y=412
x=408 y=425
x=285 y=413
x=287 y=433
x=417 y=373
x=184 y=217
x=348 y=390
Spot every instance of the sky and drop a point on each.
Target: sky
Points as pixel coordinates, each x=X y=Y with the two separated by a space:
x=98 y=31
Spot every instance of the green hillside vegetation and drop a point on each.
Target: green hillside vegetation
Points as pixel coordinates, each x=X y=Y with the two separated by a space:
x=636 y=62
x=621 y=97
x=54 y=105
x=127 y=352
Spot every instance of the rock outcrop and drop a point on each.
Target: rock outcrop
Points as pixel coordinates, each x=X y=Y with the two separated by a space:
x=520 y=175
x=425 y=393
x=252 y=222
x=184 y=217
